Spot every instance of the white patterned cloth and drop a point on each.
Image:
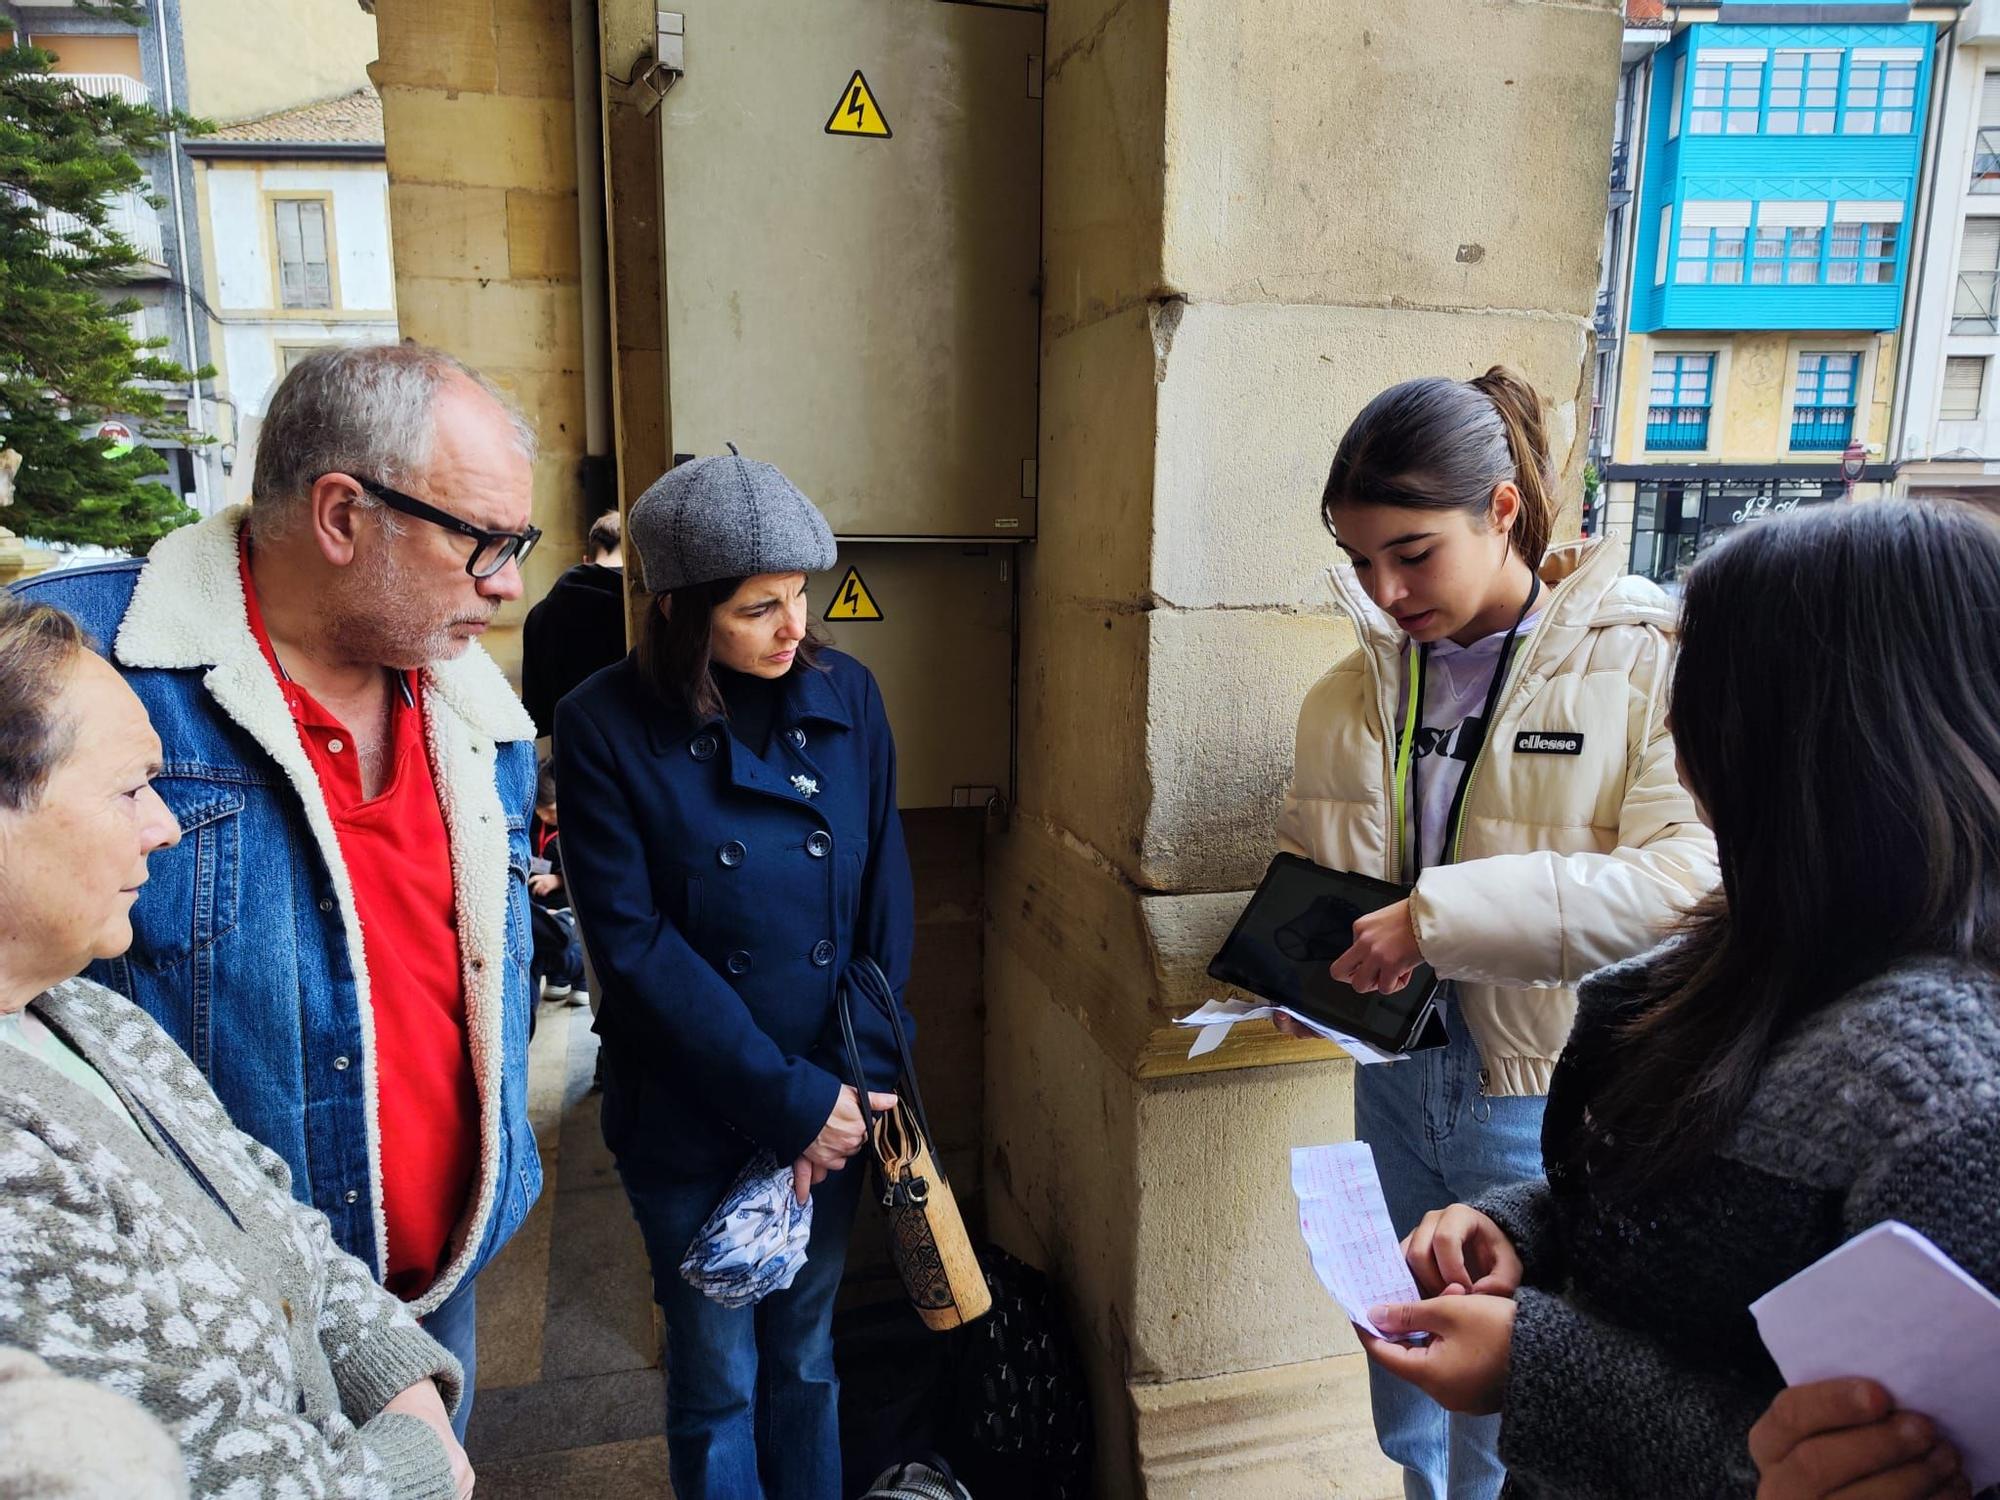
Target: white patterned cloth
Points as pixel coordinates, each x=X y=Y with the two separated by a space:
x=755 y=1241
x=174 y=1267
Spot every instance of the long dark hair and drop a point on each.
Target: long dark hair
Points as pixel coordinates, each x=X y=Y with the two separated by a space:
x=1836 y=705
x=674 y=655
x=1437 y=444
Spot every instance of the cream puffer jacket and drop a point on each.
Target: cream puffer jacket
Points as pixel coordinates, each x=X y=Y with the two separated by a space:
x=1567 y=862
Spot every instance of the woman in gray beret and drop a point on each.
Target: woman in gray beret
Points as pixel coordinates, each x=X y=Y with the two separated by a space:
x=731 y=842
x=147 y=1246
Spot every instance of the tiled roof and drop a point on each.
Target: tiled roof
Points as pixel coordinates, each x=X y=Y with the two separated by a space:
x=355 y=117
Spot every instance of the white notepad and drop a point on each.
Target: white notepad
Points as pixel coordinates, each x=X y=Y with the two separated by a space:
x=1891 y=1307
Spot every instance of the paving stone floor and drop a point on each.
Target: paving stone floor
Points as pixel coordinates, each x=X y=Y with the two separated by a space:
x=570 y=1404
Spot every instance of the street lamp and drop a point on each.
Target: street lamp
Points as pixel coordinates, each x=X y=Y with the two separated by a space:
x=1853 y=464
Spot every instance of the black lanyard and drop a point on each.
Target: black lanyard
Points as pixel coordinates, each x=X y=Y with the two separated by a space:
x=1485 y=724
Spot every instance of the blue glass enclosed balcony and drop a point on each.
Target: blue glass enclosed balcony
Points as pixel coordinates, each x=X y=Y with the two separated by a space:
x=1821 y=429
x=1676 y=429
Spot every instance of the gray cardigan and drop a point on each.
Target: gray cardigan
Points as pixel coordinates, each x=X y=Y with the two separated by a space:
x=1636 y=1366
x=179 y=1271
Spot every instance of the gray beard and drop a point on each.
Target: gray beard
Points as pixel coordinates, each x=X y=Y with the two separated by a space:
x=369 y=615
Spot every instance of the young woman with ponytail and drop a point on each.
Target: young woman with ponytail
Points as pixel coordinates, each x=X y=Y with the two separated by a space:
x=1498 y=739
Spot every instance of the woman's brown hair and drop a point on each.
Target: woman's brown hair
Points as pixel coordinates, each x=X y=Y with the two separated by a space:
x=1437 y=444
x=37 y=644
x=674 y=647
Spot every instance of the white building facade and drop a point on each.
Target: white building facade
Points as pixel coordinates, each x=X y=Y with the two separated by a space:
x=1947 y=441
x=295 y=214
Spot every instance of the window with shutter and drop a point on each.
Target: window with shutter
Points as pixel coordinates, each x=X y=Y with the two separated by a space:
x=1964 y=383
x=1986 y=143
x=1975 y=307
x=305 y=277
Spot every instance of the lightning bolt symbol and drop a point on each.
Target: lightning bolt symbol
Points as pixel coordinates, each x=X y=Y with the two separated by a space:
x=855 y=107
x=851 y=595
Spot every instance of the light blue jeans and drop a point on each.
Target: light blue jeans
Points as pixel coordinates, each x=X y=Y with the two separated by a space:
x=1438 y=1140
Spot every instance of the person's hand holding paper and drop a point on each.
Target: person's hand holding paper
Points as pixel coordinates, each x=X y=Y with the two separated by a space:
x=1460 y=1247
x=1845 y=1438
x=1462 y=1364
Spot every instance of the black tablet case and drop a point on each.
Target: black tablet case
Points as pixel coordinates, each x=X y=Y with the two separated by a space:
x=1300 y=920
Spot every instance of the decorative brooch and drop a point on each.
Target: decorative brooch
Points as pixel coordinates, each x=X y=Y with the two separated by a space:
x=805 y=786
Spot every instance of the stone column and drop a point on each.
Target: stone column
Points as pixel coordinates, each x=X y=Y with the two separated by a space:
x=1256 y=217
x=480 y=125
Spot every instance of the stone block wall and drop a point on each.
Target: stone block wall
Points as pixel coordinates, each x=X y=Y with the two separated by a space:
x=477 y=113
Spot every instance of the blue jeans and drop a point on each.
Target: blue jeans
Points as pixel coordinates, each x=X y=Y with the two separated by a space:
x=752 y=1402
x=1438 y=1140
x=456 y=1326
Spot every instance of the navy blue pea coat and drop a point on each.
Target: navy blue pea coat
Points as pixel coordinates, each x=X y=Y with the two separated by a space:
x=721 y=894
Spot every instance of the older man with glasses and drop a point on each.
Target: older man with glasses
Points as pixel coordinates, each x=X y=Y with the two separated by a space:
x=340 y=940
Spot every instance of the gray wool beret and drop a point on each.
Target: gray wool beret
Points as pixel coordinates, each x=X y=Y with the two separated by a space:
x=725 y=517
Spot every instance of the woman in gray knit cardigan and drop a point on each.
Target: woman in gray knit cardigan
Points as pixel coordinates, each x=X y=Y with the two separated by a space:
x=146 y=1245
x=1817 y=1051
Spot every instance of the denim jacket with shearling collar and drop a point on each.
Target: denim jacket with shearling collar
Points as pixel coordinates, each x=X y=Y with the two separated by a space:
x=246 y=947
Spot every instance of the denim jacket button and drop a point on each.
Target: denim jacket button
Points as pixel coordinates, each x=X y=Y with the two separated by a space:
x=739 y=962
x=352 y=1196
x=732 y=854
x=823 y=952
x=340 y=1064
x=326 y=903
x=819 y=844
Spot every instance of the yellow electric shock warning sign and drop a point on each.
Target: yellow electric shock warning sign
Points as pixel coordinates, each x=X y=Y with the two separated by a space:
x=857 y=113
x=852 y=601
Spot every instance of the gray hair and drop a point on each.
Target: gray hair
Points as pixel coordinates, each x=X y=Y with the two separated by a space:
x=362 y=409
x=37 y=642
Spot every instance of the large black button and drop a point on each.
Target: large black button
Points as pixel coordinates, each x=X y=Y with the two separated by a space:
x=797 y=737
x=820 y=844
x=739 y=962
x=703 y=747
x=731 y=854
x=823 y=952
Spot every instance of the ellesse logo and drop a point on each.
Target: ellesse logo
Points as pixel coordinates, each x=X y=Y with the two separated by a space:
x=1535 y=742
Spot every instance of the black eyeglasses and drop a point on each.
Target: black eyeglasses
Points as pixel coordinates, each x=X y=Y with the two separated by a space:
x=492 y=550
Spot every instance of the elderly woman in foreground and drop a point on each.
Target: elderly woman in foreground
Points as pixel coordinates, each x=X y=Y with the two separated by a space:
x=146 y=1245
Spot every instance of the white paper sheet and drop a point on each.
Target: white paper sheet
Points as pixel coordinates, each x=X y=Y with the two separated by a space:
x=1891 y=1307
x=1215 y=1017
x=1346 y=1226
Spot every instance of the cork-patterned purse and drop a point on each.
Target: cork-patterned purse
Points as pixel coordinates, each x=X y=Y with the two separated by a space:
x=927 y=1237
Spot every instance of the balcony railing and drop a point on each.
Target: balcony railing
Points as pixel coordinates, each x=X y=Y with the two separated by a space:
x=1676 y=429
x=130 y=216
x=1818 y=429
x=114 y=85
x=1976 y=307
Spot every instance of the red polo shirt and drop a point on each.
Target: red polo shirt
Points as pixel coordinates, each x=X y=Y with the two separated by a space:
x=398 y=858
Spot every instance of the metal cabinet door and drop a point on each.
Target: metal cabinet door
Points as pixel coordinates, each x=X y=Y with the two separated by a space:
x=861 y=311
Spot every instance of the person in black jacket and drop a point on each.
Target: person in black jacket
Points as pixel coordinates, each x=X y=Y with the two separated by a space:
x=578 y=627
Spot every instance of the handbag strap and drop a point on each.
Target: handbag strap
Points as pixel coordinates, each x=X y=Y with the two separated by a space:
x=865 y=977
